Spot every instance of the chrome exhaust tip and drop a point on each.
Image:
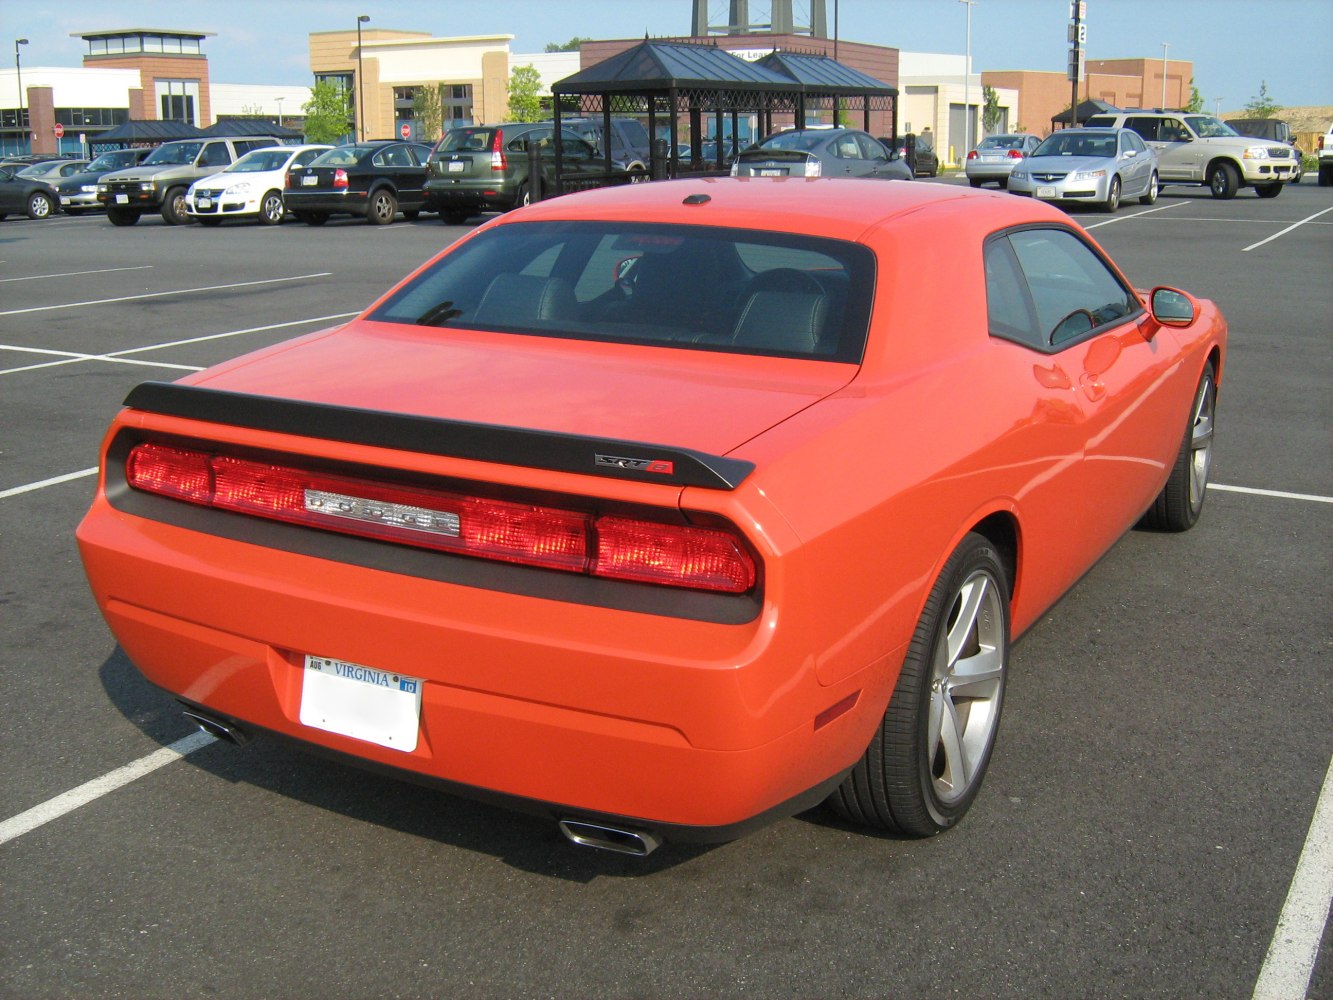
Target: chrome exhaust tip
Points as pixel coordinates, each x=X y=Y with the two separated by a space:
x=217 y=727
x=639 y=843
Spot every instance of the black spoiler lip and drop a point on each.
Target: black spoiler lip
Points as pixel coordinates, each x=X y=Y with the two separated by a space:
x=594 y=456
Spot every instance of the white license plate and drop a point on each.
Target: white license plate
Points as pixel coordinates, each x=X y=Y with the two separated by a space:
x=457 y=166
x=361 y=702
x=310 y=180
x=122 y=199
x=1045 y=192
x=772 y=173
x=203 y=203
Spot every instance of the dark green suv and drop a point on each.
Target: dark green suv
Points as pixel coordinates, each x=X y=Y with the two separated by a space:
x=480 y=167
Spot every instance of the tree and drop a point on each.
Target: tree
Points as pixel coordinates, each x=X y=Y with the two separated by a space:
x=328 y=113
x=990 y=112
x=573 y=45
x=1262 y=106
x=525 y=87
x=428 y=111
x=1196 y=98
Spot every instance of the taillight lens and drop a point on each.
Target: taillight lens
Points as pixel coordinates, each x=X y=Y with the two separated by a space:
x=340 y=178
x=498 y=161
x=972 y=154
x=1014 y=154
x=609 y=546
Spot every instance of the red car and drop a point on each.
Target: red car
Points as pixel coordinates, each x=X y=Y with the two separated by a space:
x=664 y=510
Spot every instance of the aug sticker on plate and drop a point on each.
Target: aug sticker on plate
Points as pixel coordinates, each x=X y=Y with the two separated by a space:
x=361 y=702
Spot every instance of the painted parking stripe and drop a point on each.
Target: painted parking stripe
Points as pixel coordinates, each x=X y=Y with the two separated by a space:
x=39 y=815
x=73 y=274
x=1294 y=225
x=54 y=481
x=159 y=295
x=72 y=357
x=69 y=357
x=1136 y=215
x=1312 y=497
x=1294 y=950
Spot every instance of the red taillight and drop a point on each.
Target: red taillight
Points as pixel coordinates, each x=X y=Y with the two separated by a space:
x=340 y=178
x=972 y=154
x=1014 y=154
x=498 y=161
x=614 y=547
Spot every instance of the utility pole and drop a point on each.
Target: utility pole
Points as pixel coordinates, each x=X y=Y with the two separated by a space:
x=1078 y=36
x=967 y=82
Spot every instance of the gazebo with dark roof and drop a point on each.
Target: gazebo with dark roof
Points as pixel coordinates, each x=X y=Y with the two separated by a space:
x=144 y=132
x=670 y=79
x=252 y=126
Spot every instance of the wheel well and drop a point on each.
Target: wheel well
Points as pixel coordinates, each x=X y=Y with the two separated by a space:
x=1001 y=530
x=1240 y=174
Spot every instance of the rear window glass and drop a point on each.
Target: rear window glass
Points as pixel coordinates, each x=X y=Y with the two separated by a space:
x=1002 y=142
x=343 y=156
x=459 y=140
x=686 y=287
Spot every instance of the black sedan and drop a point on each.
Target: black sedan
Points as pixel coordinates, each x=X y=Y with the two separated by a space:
x=34 y=198
x=375 y=180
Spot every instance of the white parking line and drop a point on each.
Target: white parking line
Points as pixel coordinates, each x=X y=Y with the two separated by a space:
x=1312 y=497
x=158 y=295
x=55 y=481
x=68 y=357
x=1137 y=215
x=71 y=357
x=26 y=822
x=71 y=274
x=1294 y=225
x=1291 y=956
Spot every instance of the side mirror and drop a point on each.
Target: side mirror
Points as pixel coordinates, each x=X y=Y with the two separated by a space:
x=1171 y=307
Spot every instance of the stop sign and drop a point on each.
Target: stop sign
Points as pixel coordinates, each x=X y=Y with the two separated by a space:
x=60 y=131
x=405 y=131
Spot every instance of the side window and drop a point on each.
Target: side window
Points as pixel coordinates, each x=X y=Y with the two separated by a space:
x=1172 y=130
x=1073 y=291
x=1145 y=127
x=1008 y=302
x=215 y=154
x=847 y=149
x=870 y=149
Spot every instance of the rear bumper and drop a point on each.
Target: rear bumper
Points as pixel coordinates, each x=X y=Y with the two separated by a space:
x=695 y=729
x=353 y=202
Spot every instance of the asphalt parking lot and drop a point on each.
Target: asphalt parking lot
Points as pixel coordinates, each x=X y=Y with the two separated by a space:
x=1152 y=824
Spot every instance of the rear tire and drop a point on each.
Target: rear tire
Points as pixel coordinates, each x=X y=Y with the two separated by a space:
x=1325 y=174
x=1223 y=181
x=122 y=216
x=383 y=208
x=1178 y=506
x=924 y=766
x=1151 y=196
x=175 y=209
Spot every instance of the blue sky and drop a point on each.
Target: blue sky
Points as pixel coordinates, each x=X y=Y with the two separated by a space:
x=1234 y=44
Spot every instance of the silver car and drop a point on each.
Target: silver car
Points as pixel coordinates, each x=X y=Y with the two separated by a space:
x=1096 y=165
x=996 y=156
x=821 y=152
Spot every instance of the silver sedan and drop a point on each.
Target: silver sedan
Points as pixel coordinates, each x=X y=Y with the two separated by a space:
x=1096 y=165
x=996 y=156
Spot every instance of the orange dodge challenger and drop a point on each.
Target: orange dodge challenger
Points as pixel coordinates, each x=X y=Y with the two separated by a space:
x=664 y=510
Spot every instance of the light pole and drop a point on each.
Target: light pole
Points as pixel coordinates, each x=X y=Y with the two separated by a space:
x=18 y=68
x=1165 y=46
x=967 y=82
x=278 y=101
x=360 y=84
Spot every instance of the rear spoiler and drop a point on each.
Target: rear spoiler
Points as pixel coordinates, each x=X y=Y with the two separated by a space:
x=607 y=457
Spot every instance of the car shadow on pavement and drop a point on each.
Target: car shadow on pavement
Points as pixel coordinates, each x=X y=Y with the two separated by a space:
x=530 y=843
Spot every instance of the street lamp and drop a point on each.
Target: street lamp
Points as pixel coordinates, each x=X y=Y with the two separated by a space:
x=18 y=68
x=967 y=82
x=1217 y=107
x=1165 y=46
x=360 y=84
x=278 y=101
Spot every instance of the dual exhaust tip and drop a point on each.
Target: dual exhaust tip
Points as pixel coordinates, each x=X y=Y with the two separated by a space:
x=638 y=843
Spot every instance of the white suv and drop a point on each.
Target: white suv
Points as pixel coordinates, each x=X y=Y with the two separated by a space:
x=1200 y=149
x=1326 y=158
